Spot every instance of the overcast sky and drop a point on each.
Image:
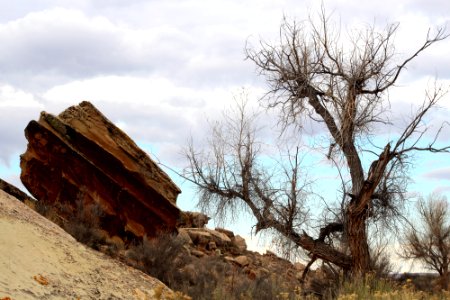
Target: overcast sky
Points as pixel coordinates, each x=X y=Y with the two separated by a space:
x=158 y=69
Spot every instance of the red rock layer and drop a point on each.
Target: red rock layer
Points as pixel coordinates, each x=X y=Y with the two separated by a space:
x=81 y=156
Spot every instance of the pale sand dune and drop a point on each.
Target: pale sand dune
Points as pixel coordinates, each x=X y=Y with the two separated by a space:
x=38 y=260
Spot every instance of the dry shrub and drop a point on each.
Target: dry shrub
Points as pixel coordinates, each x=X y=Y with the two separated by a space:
x=84 y=224
x=114 y=246
x=79 y=219
x=166 y=258
x=208 y=278
x=160 y=257
x=201 y=278
x=48 y=211
x=372 y=288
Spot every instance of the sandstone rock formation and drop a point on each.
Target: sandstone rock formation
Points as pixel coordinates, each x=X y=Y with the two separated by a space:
x=80 y=156
x=14 y=191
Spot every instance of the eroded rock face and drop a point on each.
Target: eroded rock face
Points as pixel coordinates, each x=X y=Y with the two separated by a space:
x=81 y=156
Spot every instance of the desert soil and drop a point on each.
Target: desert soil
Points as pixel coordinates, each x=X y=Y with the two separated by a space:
x=38 y=260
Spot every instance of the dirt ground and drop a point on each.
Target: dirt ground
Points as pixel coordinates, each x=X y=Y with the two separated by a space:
x=38 y=260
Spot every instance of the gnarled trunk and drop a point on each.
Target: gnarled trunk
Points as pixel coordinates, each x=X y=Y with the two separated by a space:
x=357 y=242
x=357 y=213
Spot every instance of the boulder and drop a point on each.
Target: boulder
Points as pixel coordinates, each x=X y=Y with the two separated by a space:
x=242 y=260
x=229 y=259
x=229 y=233
x=190 y=219
x=199 y=237
x=81 y=156
x=221 y=239
x=202 y=236
x=197 y=253
x=239 y=243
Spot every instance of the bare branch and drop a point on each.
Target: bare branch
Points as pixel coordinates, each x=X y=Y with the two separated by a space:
x=339 y=82
x=430 y=240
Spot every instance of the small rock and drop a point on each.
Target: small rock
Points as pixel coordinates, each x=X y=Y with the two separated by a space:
x=229 y=233
x=242 y=260
x=212 y=246
x=229 y=259
x=197 y=253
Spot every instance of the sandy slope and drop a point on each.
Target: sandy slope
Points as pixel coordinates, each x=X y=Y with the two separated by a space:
x=38 y=260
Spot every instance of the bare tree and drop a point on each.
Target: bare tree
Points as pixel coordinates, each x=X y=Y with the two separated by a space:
x=429 y=240
x=316 y=75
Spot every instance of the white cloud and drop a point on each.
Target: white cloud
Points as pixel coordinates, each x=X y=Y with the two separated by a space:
x=113 y=89
x=12 y=97
x=158 y=69
x=57 y=45
x=155 y=93
x=17 y=108
x=439 y=174
x=66 y=44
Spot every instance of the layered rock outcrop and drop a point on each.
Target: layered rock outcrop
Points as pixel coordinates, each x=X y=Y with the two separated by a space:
x=81 y=158
x=14 y=191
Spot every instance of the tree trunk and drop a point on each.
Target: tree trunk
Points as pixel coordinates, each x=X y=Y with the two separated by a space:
x=357 y=213
x=444 y=280
x=357 y=242
x=354 y=166
x=317 y=248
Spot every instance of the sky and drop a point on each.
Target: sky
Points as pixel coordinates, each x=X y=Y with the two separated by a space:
x=161 y=69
